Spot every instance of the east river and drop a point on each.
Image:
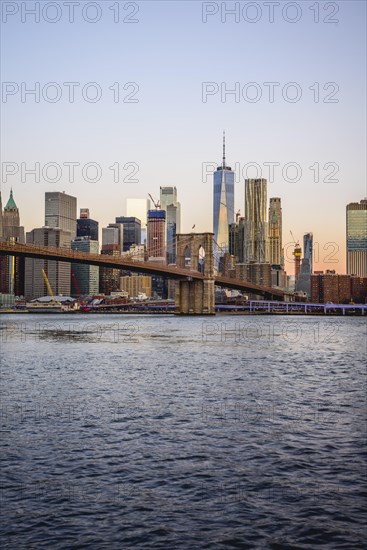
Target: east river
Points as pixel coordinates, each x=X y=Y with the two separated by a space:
x=148 y=431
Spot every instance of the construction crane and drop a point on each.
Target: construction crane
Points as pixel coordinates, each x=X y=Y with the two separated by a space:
x=296 y=243
x=49 y=289
x=157 y=204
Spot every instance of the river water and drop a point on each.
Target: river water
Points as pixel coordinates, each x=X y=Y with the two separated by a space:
x=138 y=431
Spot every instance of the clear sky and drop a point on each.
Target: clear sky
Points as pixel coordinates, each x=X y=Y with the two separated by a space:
x=170 y=132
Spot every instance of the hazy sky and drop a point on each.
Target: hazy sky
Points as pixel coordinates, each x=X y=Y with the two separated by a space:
x=173 y=129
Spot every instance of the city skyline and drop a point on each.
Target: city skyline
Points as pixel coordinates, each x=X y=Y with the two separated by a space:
x=336 y=251
x=313 y=132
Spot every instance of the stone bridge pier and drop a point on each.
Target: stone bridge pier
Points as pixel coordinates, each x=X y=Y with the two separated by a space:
x=195 y=297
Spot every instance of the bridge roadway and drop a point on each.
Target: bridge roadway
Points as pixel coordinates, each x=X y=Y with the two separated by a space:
x=128 y=263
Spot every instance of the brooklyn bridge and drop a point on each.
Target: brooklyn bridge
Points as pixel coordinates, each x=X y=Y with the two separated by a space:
x=196 y=284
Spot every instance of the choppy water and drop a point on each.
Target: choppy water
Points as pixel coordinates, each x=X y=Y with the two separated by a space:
x=123 y=431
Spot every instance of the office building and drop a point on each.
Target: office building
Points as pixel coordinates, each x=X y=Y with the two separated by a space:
x=132 y=231
x=113 y=234
x=60 y=212
x=357 y=238
x=84 y=278
x=223 y=204
x=11 y=267
x=58 y=273
x=85 y=226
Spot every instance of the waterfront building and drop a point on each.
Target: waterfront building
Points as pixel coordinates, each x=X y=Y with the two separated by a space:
x=136 y=284
x=330 y=287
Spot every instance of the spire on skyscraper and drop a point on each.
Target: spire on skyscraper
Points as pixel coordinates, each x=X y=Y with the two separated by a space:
x=10 y=205
x=224 y=149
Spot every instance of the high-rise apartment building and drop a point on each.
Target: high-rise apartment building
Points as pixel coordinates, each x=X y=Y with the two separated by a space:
x=275 y=232
x=357 y=238
x=223 y=204
x=256 y=226
x=60 y=212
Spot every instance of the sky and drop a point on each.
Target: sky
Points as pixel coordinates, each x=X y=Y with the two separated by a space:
x=152 y=88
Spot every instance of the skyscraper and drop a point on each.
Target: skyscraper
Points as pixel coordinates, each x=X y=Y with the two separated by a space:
x=84 y=278
x=223 y=203
x=86 y=227
x=156 y=235
x=357 y=238
x=58 y=273
x=169 y=203
x=132 y=231
x=256 y=226
x=60 y=211
x=275 y=232
x=59 y=230
x=11 y=268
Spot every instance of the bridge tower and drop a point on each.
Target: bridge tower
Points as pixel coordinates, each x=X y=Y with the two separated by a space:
x=195 y=250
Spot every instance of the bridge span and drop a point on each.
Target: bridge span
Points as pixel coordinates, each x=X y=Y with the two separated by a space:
x=187 y=277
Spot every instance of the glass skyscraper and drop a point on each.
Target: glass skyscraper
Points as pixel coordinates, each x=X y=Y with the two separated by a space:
x=223 y=204
x=357 y=238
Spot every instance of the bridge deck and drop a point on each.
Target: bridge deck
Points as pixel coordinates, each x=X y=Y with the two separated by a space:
x=127 y=263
